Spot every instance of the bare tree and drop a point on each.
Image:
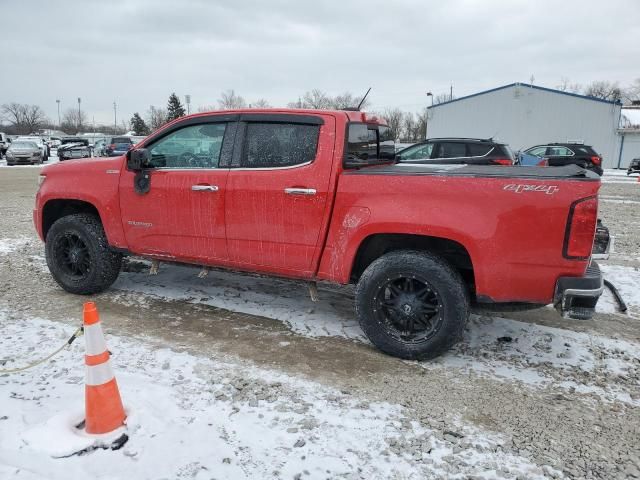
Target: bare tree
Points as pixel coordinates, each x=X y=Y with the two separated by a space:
x=394 y=118
x=230 y=101
x=73 y=120
x=604 y=89
x=260 y=103
x=297 y=104
x=24 y=118
x=631 y=94
x=348 y=100
x=156 y=117
x=567 y=86
x=443 y=97
x=408 y=127
x=316 y=99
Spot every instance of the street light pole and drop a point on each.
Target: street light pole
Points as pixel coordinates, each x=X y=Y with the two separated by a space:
x=187 y=99
x=115 y=118
x=58 y=102
x=426 y=120
x=79 y=115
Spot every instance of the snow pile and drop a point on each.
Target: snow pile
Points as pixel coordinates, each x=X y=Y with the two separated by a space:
x=191 y=417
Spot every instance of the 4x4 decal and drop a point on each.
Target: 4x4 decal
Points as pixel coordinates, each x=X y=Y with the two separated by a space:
x=524 y=187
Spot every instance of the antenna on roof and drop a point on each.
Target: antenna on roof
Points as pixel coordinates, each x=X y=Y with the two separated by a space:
x=363 y=99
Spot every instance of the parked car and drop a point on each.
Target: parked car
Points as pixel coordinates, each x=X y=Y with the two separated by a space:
x=24 y=152
x=5 y=143
x=558 y=154
x=469 y=151
x=268 y=192
x=54 y=142
x=118 y=146
x=45 y=150
x=73 y=147
x=99 y=148
x=634 y=166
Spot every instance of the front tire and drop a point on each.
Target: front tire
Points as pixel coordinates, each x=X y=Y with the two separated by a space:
x=412 y=304
x=78 y=255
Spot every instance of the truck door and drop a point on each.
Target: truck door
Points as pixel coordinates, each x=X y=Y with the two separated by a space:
x=278 y=192
x=182 y=215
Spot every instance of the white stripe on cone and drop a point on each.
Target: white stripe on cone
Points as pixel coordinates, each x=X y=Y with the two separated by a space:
x=99 y=374
x=94 y=339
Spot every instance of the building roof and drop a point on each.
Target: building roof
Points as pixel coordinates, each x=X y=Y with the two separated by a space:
x=528 y=85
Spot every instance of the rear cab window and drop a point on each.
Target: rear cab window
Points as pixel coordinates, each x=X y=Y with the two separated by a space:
x=369 y=143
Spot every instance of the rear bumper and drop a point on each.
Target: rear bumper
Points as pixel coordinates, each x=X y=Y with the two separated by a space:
x=576 y=297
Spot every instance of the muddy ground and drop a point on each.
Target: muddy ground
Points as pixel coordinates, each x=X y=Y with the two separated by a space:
x=565 y=395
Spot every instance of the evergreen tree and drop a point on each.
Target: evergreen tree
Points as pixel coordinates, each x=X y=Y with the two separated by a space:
x=174 y=108
x=138 y=125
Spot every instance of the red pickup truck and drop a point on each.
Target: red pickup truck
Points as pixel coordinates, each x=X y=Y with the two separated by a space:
x=317 y=195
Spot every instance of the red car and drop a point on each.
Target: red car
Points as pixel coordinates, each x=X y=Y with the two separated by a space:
x=317 y=195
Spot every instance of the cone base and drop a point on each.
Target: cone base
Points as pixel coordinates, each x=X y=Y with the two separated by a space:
x=103 y=408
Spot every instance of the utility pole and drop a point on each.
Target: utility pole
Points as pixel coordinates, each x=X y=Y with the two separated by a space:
x=451 y=93
x=79 y=115
x=58 y=102
x=115 y=118
x=187 y=99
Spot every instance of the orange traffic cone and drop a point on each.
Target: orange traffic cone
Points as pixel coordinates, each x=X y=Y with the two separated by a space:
x=103 y=405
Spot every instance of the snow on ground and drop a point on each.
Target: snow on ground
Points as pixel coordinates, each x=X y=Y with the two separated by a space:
x=536 y=356
x=191 y=417
x=539 y=356
x=8 y=245
x=52 y=159
x=627 y=281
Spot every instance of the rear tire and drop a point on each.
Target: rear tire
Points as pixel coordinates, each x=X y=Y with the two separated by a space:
x=412 y=304
x=78 y=255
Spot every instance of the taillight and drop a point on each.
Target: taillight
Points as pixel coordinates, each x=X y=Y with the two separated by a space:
x=502 y=161
x=543 y=163
x=596 y=160
x=581 y=228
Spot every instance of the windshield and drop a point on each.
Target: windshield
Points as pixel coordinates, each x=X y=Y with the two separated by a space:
x=24 y=145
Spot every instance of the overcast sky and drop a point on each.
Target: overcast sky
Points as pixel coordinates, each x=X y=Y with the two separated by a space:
x=137 y=52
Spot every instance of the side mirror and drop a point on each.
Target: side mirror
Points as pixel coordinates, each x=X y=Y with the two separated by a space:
x=138 y=159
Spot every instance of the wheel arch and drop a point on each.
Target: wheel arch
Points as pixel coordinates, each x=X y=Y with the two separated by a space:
x=57 y=208
x=378 y=244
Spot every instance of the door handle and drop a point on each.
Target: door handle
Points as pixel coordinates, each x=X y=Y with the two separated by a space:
x=300 y=191
x=204 y=188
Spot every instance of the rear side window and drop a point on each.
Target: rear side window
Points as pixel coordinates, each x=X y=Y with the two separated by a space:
x=584 y=150
x=478 y=149
x=273 y=145
x=121 y=140
x=451 y=150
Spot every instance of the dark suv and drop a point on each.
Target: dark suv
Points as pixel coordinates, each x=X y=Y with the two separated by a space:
x=118 y=146
x=559 y=154
x=471 y=151
x=634 y=166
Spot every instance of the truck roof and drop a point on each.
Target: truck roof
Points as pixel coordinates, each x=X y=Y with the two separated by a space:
x=352 y=115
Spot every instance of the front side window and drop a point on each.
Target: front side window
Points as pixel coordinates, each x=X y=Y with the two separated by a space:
x=559 y=152
x=537 y=151
x=195 y=146
x=418 y=152
x=273 y=145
